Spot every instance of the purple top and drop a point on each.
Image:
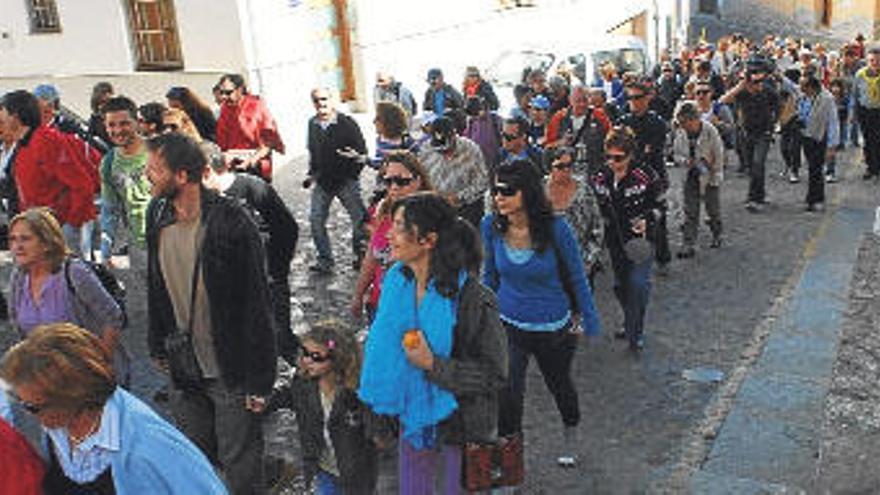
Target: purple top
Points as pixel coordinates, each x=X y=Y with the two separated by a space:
x=52 y=307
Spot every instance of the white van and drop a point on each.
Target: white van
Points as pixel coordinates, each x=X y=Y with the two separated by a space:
x=584 y=56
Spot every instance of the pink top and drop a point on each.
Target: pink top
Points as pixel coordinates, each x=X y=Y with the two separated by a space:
x=381 y=250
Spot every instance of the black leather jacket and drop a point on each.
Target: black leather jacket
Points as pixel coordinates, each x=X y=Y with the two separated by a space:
x=234 y=271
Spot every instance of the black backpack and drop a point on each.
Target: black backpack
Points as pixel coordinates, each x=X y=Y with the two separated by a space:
x=109 y=281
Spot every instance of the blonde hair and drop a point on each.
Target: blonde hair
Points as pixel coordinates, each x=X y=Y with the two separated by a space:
x=46 y=228
x=339 y=341
x=187 y=127
x=67 y=364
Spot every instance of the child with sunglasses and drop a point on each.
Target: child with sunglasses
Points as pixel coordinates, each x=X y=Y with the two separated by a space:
x=335 y=427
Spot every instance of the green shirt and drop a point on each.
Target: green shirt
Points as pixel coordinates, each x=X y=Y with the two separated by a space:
x=124 y=185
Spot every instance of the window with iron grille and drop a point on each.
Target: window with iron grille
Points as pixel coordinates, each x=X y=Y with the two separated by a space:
x=155 y=39
x=43 y=16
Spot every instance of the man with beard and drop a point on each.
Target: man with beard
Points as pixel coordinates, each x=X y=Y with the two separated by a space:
x=208 y=300
x=125 y=191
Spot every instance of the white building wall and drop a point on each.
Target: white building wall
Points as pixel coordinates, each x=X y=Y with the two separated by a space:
x=95 y=45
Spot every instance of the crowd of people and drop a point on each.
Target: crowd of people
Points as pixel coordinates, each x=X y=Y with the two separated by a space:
x=476 y=250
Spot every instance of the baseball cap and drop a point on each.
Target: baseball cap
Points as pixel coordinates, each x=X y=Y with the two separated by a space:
x=540 y=102
x=434 y=74
x=47 y=92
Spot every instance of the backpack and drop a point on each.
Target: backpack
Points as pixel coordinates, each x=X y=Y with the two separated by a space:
x=109 y=281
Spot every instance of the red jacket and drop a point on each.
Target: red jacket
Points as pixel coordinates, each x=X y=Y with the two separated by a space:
x=248 y=126
x=46 y=174
x=21 y=469
x=551 y=135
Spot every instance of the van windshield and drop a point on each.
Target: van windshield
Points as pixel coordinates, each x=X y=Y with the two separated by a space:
x=626 y=60
x=510 y=68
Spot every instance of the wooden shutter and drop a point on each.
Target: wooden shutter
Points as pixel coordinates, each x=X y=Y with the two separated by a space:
x=155 y=39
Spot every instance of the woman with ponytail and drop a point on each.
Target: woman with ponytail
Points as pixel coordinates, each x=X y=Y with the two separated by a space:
x=435 y=356
x=533 y=263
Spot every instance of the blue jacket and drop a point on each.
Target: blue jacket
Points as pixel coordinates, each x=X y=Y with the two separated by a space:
x=533 y=292
x=154 y=457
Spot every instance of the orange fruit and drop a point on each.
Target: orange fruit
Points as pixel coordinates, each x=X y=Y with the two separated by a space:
x=411 y=339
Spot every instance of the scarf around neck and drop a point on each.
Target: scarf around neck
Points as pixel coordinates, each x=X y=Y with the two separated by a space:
x=390 y=384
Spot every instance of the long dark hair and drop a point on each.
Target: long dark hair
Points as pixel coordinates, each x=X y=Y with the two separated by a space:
x=523 y=175
x=458 y=246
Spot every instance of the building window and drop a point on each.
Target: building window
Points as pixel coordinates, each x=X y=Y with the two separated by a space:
x=708 y=6
x=155 y=41
x=825 y=13
x=43 y=16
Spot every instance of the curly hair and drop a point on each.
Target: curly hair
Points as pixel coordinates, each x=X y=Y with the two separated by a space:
x=524 y=176
x=338 y=339
x=393 y=118
x=458 y=245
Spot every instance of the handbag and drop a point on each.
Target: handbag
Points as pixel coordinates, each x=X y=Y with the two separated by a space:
x=184 y=368
x=487 y=465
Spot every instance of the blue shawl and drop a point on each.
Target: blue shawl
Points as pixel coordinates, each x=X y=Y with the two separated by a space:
x=389 y=383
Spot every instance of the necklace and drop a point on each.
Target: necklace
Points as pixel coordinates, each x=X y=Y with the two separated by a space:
x=77 y=439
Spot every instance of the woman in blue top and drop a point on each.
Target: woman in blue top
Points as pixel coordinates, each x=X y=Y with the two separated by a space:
x=533 y=262
x=98 y=438
x=435 y=356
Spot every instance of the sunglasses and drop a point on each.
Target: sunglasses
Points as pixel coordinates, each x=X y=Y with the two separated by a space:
x=637 y=97
x=226 y=92
x=398 y=180
x=615 y=157
x=316 y=357
x=563 y=166
x=28 y=406
x=703 y=91
x=319 y=99
x=506 y=190
x=509 y=137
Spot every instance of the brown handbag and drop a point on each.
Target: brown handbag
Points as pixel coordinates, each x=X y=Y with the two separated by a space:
x=487 y=465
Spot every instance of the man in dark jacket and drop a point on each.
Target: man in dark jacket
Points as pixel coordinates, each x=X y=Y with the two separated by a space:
x=207 y=279
x=336 y=148
x=441 y=97
x=650 y=130
x=278 y=229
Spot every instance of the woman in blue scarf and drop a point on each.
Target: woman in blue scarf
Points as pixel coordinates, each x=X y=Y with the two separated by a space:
x=436 y=355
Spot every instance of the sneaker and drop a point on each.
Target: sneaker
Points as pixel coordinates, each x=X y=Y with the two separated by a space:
x=637 y=344
x=753 y=207
x=620 y=334
x=716 y=242
x=793 y=178
x=830 y=178
x=321 y=269
x=566 y=461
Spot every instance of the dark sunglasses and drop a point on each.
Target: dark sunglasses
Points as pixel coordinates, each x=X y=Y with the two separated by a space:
x=397 y=180
x=318 y=99
x=563 y=166
x=226 y=92
x=615 y=157
x=170 y=127
x=316 y=357
x=504 y=190
x=28 y=406
x=509 y=137
x=703 y=91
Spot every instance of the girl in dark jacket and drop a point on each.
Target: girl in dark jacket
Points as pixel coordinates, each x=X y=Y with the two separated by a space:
x=335 y=428
x=627 y=196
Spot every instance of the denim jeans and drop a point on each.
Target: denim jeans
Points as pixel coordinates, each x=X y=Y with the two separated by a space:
x=349 y=195
x=632 y=286
x=790 y=147
x=554 y=352
x=326 y=484
x=230 y=436
x=755 y=147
